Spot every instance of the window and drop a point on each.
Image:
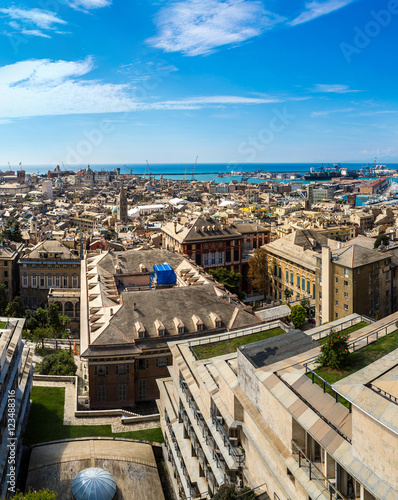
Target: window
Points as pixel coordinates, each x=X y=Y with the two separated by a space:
x=24 y=281
x=346 y=295
x=337 y=291
x=337 y=280
x=142 y=389
x=298 y=281
x=345 y=272
x=75 y=285
x=377 y=276
x=122 y=392
x=161 y=362
x=180 y=329
x=42 y=285
x=303 y=283
x=359 y=270
x=34 y=281
x=65 y=281
x=122 y=369
x=57 y=281
x=345 y=307
x=101 y=370
x=337 y=303
x=287 y=276
x=199 y=327
x=345 y=283
x=101 y=394
x=291 y=278
x=142 y=364
x=387 y=275
x=49 y=281
x=320 y=295
x=308 y=287
x=6 y=274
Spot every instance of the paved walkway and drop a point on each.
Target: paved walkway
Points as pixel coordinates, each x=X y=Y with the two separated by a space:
x=69 y=412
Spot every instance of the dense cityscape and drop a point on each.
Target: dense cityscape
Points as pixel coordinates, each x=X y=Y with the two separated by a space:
x=241 y=336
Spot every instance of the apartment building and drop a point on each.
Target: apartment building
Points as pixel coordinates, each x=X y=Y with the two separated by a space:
x=292 y=264
x=355 y=279
x=48 y=265
x=212 y=244
x=9 y=254
x=16 y=383
x=132 y=304
x=253 y=418
x=374 y=187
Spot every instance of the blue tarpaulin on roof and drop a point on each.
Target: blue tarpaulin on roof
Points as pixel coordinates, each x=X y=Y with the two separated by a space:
x=165 y=274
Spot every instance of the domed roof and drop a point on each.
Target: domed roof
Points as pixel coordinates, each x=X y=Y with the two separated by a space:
x=94 y=484
x=33 y=218
x=114 y=210
x=59 y=180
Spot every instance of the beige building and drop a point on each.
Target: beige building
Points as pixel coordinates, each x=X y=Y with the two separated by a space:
x=9 y=254
x=48 y=265
x=355 y=279
x=254 y=418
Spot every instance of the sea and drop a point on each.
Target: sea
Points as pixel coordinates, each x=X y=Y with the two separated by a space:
x=203 y=171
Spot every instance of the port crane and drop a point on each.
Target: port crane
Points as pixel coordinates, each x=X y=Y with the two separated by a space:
x=149 y=170
x=193 y=170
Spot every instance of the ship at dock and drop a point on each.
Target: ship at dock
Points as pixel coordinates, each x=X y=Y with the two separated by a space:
x=330 y=172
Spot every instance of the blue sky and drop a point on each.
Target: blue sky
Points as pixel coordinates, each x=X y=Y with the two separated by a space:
x=234 y=81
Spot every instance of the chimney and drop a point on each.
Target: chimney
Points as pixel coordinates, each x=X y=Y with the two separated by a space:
x=175 y=226
x=339 y=245
x=134 y=306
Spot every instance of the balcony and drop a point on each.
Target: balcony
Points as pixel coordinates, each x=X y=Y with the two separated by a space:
x=314 y=474
x=237 y=454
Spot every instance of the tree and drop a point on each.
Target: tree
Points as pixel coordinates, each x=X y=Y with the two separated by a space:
x=11 y=231
x=53 y=320
x=58 y=363
x=3 y=300
x=229 y=279
x=231 y=492
x=15 y=309
x=298 y=315
x=40 y=316
x=334 y=351
x=288 y=293
x=383 y=239
x=31 y=322
x=36 y=495
x=258 y=270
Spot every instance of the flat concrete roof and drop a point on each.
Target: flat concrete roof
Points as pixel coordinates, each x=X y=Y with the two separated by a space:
x=132 y=464
x=269 y=351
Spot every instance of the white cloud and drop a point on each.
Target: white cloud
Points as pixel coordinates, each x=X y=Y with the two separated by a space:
x=197 y=27
x=89 y=4
x=333 y=89
x=47 y=88
x=315 y=9
x=317 y=114
x=42 y=19
x=35 y=33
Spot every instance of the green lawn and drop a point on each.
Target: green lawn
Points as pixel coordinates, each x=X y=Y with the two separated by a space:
x=3 y=324
x=227 y=346
x=360 y=359
x=351 y=329
x=45 y=421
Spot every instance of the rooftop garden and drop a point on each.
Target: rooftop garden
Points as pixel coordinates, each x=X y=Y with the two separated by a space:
x=358 y=360
x=46 y=416
x=348 y=330
x=231 y=345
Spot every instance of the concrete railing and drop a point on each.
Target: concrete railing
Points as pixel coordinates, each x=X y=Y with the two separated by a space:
x=54 y=378
x=321 y=332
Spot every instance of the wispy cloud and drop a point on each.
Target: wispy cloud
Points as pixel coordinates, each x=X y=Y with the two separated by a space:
x=198 y=27
x=32 y=22
x=89 y=4
x=317 y=9
x=333 y=89
x=47 y=88
x=317 y=114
